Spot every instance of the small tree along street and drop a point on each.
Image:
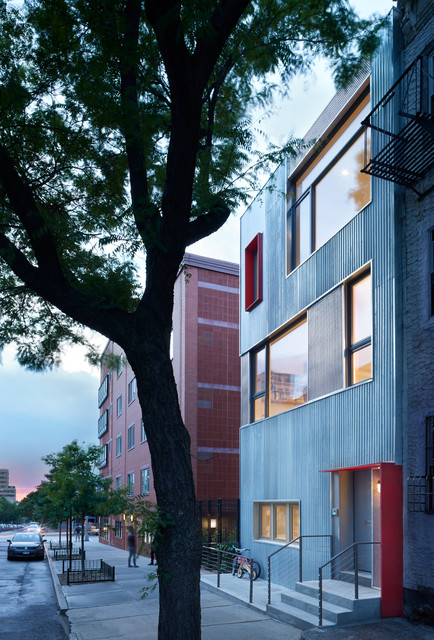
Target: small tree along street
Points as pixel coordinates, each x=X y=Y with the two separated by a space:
x=124 y=131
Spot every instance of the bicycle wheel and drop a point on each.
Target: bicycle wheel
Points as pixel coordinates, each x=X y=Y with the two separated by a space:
x=256 y=569
x=240 y=571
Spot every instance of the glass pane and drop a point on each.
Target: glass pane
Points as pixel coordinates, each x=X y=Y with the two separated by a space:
x=295 y=522
x=260 y=371
x=265 y=520
x=280 y=515
x=288 y=370
x=302 y=221
x=259 y=408
x=361 y=365
x=341 y=193
x=289 y=241
x=361 y=310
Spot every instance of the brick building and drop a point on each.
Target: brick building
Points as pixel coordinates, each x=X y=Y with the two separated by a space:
x=207 y=373
x=7 y=491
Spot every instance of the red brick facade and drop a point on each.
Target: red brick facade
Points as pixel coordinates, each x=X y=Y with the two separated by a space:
x=207 y=371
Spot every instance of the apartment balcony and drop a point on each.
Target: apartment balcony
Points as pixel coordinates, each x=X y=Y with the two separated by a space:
x=402 y=147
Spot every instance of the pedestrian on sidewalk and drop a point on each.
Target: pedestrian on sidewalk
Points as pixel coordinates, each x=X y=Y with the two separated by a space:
x=77 y=532
x=131 y=541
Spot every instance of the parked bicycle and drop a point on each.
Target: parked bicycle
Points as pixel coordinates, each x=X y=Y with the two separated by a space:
x=242 y=565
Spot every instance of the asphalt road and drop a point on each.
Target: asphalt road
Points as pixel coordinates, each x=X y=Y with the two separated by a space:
x=28 y=609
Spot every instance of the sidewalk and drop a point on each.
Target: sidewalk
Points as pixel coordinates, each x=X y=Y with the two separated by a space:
x=107 y=610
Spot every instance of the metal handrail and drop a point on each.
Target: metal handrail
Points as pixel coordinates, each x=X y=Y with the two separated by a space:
x=222 y=553
x=353 y=546
x=300 y=562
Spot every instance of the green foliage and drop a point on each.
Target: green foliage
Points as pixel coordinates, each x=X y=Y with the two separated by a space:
x=90 y=106
x=9 y=512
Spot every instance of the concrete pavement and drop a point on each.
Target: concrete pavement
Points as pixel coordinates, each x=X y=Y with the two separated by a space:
x=107 y=610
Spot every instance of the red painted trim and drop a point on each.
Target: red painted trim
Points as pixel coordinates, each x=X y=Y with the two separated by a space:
x=391 y=540
x=377 y=465
x=253 y=272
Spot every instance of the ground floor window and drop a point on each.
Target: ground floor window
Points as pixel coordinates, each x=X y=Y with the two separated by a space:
x=276 y=521
x=104 y=528
x=118 y=528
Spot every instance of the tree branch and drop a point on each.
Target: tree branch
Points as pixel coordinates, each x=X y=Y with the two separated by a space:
x=207 y=223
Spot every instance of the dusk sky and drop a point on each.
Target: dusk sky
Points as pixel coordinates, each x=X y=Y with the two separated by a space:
x=42 y=412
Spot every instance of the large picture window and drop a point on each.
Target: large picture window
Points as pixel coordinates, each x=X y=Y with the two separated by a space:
x=277 y=521
x=330 y=193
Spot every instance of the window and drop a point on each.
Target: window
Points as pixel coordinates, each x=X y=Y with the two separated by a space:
x=119 y=366
x=253 y=273
x=103 y=391
x=118 y=482
x=280 y=373
x=104 y=527
x=130 y=484
x=103 y=424
x=118 y=528
x=131 y=437
x=143 y=436
x=118 y=445
x=277 y=521
x=144 y=482
x=118 y=406
x=131 y=390
x=331 y=192
x=104 y=456
x=359 y=329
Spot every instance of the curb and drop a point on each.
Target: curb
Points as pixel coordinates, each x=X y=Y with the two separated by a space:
x=60 y=597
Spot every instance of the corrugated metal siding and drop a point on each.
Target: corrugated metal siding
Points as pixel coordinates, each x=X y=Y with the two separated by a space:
x=281 y=456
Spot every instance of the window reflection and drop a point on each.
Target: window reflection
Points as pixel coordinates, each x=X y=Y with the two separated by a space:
x=361 y=310
x=259 y=408
x=361 y=366
x=280 y=516
x=295 y=522
x=288 y=370
x=265 y=521
x=302 y=221
x=260 y=371
x=341 y=193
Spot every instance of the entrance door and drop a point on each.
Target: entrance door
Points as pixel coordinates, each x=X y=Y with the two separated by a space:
x=362 y=514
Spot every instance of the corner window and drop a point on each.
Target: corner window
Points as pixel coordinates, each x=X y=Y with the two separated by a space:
x=131 y=390
x=330 y=193
x=118 y=445
x=118 y=406
x=130 y=483
x=277 y=521
x=359 y=329
x=144 y=482
x=253 y=273
x=131 y=434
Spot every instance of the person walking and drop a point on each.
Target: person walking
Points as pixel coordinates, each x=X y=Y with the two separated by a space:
x=77 y=532
x=131 y=541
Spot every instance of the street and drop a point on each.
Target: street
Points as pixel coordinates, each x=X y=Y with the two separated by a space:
x=28 y=609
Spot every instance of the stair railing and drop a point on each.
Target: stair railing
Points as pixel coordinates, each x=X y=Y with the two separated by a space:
x=355 y=548
x=299 y=540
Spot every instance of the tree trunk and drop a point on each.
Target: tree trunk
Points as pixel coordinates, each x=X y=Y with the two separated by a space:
x=178 y=545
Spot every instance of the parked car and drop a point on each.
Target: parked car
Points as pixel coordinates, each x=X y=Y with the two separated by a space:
x=26 y=545
x=93 y=531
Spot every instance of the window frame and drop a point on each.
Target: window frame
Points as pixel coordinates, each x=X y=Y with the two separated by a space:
x=130 y=483
x=352 y=348
x=143 y=436
x=131 y=437
x=289 y=520
x=147 y=483
x=253 y=273
x=118 y=446
x=118 y=528
x=132 y=387
x=119 y=406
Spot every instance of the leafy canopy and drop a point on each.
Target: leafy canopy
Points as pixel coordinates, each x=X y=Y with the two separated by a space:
x=124 y=130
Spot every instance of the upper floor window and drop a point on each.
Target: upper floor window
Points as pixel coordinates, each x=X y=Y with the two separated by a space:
x=118 y=482
x=253 y=272
x=118 y=445
x=131 y=431
x=103 y=390
x=118 y=406
x=330 y=193
x=119 y=366
x=143 y=436
x=359 y=329
x=131 y=390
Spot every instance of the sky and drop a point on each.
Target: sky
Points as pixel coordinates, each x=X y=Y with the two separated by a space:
x=42 y=412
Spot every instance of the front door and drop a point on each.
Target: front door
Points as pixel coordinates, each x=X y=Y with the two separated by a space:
x=362 y=515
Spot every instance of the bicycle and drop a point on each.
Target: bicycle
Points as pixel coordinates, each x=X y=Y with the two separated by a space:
x=242 y=565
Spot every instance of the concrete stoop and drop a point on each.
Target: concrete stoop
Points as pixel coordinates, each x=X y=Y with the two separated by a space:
x=300 y=608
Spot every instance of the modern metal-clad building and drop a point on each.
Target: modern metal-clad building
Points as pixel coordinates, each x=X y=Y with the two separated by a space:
x=322 y=337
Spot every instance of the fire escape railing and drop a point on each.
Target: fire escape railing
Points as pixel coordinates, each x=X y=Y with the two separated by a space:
x=402 y=147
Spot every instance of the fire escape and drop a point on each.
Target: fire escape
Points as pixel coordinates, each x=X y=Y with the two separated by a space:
x=403 y=147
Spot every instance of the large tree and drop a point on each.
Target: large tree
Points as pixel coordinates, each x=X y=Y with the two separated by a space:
x=124 y=126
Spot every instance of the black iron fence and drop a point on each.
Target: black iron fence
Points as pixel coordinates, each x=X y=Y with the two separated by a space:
x=220 y=521
x=63 y=553
x=88 y=571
